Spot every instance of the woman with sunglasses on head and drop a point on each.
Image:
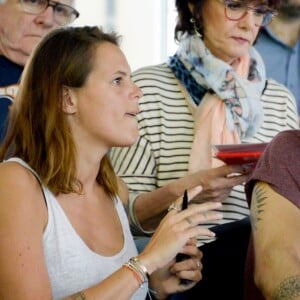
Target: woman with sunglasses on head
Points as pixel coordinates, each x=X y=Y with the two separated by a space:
x=212 y=91
x=63 y=227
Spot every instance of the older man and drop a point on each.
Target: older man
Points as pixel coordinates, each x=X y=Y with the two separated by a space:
x=23 y=24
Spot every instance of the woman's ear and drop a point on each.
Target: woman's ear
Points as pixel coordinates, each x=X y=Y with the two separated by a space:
x=69 y=101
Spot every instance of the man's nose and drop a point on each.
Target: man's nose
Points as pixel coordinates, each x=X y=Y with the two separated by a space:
x=47 y=17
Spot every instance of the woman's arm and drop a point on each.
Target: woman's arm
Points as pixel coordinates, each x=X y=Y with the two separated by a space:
x=172 y=236
x=276 y=226
x=215 y=184
x=23 y=216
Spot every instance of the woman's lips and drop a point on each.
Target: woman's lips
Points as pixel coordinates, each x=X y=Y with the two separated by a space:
x=240 y=40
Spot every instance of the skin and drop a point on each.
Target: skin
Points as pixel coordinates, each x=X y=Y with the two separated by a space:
x=276 y=224
x=205 y=185
x=20 y=32
x=118 y=116
x=108 y=96
x=227 y=40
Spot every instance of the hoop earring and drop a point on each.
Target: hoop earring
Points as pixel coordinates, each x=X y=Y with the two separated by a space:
x=196 y=27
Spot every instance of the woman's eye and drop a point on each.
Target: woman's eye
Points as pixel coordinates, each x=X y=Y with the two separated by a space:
x=261 y=11
x=117 y=80
x=235 y=5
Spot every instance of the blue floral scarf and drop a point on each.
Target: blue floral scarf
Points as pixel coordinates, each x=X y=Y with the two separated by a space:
x=199 y=71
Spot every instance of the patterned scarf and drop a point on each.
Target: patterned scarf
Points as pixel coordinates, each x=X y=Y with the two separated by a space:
x=231 y=108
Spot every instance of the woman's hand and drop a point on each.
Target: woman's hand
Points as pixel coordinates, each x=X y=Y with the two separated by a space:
x=217 y=183
x=174 y=232
x=167 y=280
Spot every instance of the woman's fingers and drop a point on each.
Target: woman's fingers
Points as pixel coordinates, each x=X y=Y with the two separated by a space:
x=192 y=263
x=204 y=217
x=188 y=269
x=179 y=227
x=201 y=212
x=195 y=215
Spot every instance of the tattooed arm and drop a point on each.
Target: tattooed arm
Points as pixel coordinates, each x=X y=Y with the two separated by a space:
x=276 y=232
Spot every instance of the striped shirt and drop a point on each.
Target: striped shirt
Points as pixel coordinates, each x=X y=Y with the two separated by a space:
x=166 y=127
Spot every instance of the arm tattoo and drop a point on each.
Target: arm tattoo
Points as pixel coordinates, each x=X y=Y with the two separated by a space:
x=258 y=206
x=288 y=289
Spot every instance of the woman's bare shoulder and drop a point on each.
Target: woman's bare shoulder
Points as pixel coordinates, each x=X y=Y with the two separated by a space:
x=20 y=191
x=13 y=173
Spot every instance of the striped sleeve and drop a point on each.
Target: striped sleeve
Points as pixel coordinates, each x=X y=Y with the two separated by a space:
x=166 y=128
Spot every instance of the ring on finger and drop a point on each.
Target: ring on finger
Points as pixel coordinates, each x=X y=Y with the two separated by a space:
x=173 y=207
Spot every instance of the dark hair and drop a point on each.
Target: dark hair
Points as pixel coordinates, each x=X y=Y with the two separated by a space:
x=39 y=132
x=184 y=14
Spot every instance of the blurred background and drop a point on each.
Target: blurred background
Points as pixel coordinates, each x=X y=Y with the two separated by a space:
x=146 y=26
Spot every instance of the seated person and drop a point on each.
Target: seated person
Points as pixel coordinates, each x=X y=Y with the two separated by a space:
x=274 y=193
x=213 y=90
x=63 y=228
x=23 y=24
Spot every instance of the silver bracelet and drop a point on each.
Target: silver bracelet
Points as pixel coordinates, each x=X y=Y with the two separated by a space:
x=134 y=261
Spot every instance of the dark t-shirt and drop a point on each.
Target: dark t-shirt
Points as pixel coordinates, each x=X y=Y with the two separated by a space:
x=280 y=167
x=9 y=77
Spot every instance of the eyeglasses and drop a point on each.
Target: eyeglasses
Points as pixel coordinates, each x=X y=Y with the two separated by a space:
x=237 y=10
x=63 y=14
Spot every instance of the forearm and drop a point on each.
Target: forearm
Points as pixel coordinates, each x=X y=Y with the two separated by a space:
x=156 y=203
x=277 y=273
x=215 y=187
x=120 y=285
x=123 y=283
x=275 y=224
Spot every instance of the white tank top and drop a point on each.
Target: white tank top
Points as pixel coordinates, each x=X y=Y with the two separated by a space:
x=72 y=265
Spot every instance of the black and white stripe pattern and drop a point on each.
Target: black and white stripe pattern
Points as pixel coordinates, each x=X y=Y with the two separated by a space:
x=166 y=127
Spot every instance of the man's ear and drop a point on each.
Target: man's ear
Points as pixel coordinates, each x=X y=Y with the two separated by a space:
x=69 y=103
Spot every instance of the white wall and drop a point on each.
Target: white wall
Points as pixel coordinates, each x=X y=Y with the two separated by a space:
x=145 y=25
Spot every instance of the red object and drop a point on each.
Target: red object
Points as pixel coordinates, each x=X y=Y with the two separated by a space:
x=239 y=154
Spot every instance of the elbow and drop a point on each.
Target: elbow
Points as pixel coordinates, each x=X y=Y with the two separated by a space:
x=277 y=269
x=261 y=282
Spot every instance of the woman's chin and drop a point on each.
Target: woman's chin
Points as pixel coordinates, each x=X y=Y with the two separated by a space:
x=128 y=141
